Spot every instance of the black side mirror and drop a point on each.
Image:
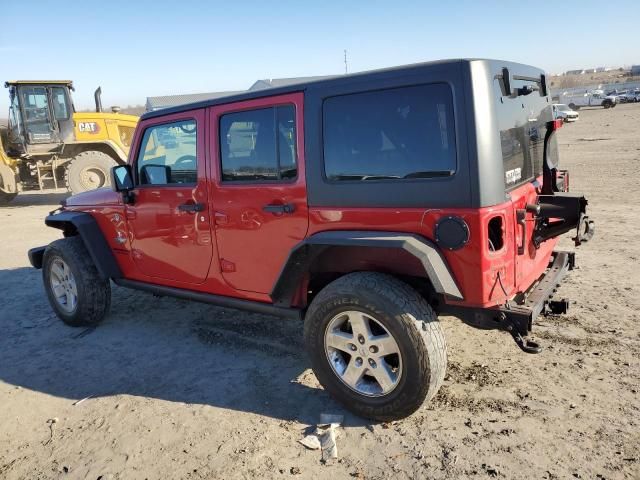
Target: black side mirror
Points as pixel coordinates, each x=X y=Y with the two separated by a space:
x=121 y=178
x=155 y=175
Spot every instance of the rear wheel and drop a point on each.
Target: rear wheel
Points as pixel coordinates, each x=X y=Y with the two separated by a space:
x=75 y=290
x=88 y=171
x=375 y=345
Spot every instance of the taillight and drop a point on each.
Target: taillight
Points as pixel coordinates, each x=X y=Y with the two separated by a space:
x=554 y=125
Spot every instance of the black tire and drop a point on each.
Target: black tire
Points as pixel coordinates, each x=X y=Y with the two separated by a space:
x=6 y=192
x=93 y=293
x=573 y=106
x=89 y=170
x=407 y=317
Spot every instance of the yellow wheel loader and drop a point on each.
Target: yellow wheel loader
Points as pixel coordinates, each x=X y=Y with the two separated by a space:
x=49 y=144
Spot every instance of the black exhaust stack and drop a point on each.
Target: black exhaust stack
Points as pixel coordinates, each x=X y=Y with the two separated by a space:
x=98 y=98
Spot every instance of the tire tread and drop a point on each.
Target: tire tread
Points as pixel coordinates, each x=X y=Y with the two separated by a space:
x=423 y=327
x=94 y=293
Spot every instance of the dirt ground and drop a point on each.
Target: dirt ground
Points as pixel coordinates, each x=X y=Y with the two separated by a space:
x=184 y=390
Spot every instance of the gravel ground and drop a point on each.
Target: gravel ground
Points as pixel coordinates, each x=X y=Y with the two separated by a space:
x=184 y=390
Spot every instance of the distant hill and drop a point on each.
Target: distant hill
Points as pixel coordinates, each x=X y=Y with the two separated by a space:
x=591 y=79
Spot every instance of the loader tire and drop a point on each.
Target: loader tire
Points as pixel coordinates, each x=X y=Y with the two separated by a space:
x=89 y=170
x=8 y=184
x=6 y=198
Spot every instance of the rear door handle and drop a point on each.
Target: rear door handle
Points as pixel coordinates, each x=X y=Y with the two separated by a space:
x=191 y=207
x=286 y=208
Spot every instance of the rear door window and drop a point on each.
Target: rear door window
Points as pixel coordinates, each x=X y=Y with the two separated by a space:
x=259 y=145
x=393 y=134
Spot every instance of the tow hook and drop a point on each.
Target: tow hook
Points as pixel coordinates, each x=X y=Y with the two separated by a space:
x=525 y=344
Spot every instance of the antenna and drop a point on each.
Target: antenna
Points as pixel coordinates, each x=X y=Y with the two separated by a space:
x=346 y=65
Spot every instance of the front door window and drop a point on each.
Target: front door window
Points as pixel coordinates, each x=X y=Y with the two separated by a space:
x=168 y=154
x=37 y=120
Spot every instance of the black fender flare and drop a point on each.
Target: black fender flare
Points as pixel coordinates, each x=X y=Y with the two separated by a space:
x=304 y=253
x=86 y=226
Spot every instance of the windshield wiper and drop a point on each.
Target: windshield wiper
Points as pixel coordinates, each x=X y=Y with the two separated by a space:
x=363 y=177
x=425 y=174
x=430 y=174
x=380 y=177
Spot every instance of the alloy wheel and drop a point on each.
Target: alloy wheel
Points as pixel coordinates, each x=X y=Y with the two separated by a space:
x=363 y=353
x=63 y=285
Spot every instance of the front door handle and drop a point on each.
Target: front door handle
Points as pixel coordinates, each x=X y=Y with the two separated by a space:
x=191 y=207
x=279 y=209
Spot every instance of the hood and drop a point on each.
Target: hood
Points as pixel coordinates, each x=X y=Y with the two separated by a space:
x=101 y=196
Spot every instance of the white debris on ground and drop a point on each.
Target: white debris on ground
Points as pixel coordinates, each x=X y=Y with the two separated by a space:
x=325 y=436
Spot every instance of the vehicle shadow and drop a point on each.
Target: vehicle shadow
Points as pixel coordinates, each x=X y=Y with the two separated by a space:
x=34 y=197
x=162 y=348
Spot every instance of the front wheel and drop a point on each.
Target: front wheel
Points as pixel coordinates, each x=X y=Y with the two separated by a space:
x=375 y=345
x=89 y=170
x=77 y=293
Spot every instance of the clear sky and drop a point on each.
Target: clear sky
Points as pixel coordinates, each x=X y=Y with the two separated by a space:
x=135 y=49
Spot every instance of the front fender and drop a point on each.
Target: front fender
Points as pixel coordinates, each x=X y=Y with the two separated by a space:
x=83 y=224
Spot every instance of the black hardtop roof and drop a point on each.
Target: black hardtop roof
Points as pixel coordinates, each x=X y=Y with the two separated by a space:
x=269 y=92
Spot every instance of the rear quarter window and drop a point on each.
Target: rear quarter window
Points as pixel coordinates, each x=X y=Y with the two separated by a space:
x=392 y=134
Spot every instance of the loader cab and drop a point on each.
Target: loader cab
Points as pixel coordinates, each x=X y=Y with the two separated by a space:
x=40 y=116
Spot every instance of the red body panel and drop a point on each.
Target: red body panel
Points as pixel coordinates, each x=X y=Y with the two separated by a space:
x=474 y=267
x=234 y=248
x=167 y=243
x=253 y=245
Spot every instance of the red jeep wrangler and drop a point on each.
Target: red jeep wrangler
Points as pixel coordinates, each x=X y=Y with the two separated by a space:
x=367 y=204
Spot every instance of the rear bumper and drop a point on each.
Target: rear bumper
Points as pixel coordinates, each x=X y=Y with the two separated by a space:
x=518 y=316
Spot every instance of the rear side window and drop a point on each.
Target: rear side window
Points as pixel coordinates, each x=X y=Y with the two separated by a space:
x=168 y=154
x=399 y=133
x=259 y=145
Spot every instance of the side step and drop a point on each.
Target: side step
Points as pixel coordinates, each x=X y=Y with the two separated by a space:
x=219 y=300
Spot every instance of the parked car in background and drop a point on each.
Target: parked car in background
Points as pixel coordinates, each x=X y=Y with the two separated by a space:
x=563 y=112
x=626 y=97
x=590 y=98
